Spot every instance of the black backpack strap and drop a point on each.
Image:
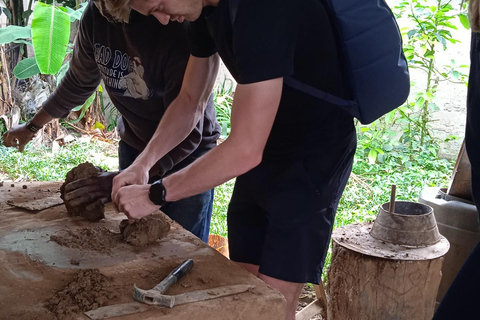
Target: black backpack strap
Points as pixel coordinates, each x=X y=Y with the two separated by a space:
x=233 y=6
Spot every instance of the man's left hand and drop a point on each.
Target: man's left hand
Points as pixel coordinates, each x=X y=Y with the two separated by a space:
x=83 y=192
x=133 y=200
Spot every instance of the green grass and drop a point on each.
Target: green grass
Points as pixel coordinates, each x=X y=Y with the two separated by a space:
x=42 y=164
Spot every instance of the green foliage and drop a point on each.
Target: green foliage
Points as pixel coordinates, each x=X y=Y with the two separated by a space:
x=50 y=33
x=26 y=68
x=223 y=194
x=13 y=33
x=50 y=36
x=223 y=99
x=432 y=27
x=43 y=165
x=3 y=127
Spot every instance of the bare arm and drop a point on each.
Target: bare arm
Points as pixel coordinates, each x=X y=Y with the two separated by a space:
x=178 y=121
x=253 y=113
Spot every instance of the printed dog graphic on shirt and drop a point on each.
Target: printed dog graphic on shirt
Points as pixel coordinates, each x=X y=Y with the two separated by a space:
x=122 y=74
x=133 y=82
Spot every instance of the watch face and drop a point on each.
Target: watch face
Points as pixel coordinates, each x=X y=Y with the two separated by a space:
x=157 y=193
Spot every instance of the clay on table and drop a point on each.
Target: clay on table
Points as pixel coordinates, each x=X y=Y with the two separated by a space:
x=146 y=230
x=82 y=171
x=90 y=290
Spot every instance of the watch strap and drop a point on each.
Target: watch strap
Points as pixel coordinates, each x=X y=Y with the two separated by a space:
x=159 y=196
x=32 y=128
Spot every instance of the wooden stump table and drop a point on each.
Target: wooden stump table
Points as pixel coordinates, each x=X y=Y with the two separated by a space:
x=55 y=266
x=370 y=279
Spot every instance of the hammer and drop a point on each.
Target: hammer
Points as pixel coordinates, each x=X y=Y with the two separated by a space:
x=155 y=295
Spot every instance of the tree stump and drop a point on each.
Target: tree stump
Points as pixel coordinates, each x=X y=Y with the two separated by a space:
x=371 y=280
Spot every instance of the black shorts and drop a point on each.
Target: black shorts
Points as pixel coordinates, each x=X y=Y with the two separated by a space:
x=282 y=212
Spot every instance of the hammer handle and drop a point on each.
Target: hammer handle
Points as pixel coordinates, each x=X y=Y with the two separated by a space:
x=174 y=276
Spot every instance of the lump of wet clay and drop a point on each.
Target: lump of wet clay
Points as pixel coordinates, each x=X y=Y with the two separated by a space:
x=145 y=231
x=83 y=170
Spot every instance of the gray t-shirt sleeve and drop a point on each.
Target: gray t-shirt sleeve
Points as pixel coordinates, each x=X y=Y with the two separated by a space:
x=82 y=77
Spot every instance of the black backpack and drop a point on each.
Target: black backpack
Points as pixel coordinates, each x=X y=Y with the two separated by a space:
x=371 y=46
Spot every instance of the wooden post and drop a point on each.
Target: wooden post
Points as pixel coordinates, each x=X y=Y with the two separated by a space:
x=373 y=288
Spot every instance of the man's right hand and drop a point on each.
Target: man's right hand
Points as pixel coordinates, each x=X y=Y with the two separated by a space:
x=135 y=174
x=17 y=137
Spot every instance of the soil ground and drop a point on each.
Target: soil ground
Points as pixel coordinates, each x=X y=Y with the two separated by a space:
x=306 y=297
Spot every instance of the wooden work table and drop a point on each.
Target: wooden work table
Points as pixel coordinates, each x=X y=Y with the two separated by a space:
x=34 y=267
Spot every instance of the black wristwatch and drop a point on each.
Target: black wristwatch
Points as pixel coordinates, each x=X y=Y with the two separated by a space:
x=32 y=128
x=157 y=193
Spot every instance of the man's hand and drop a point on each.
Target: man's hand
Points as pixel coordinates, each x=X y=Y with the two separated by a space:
x=132 y=175
x=90 y=191
x=135 y=202
x=18 y=137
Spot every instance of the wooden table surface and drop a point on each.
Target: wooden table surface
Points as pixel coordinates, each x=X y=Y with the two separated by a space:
x=34 y=268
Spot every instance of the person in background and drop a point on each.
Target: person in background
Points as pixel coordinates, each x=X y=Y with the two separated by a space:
x=142 y=65
x=292 y=154
x=462 y=298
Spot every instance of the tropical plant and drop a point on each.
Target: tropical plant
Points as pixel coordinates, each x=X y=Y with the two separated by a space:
x=49 y=34
x=405 y=131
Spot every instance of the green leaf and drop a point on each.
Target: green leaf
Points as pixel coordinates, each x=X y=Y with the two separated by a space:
x=12 y=33
x=390 y=116
x=86 y=105
x=50 y=36
x=27 y=42
x=464 y=20
x=419 y=103
x=372 y=156
x=98 y=125
x=411 y=33
x=7 y=13
x=26 y=68
x=76 y=14
x=429 y=54
x=61 y=73
x=26 y=14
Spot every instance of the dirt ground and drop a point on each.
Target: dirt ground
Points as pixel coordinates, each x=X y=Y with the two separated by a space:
x=306 y=297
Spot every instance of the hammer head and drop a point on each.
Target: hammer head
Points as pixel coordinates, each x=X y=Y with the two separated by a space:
x=153 y=297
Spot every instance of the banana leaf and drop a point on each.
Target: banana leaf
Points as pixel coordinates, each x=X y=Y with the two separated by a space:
x=12 y=33
x=26 y=68
x=50 y=36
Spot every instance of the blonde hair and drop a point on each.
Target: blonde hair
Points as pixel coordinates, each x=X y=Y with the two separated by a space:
x=114 y=10
x=474 y=14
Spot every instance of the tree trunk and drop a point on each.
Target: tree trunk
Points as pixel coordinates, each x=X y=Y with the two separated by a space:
x=370 y=288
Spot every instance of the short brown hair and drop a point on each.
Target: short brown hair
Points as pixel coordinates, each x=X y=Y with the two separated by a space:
x=114 y=10
x=474 y=14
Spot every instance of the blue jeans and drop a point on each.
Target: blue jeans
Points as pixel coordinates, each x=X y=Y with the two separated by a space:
x=194 y=213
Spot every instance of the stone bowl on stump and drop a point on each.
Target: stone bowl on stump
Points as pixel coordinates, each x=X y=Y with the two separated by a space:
x=390 y=269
